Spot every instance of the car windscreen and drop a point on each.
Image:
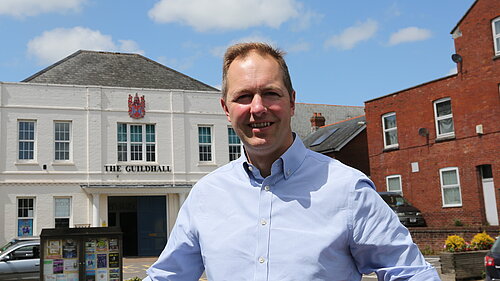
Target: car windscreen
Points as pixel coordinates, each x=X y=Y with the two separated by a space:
x=395 y=200
x=496 y=247
x=6 y=246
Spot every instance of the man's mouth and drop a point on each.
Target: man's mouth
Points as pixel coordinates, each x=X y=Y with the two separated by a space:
x=260 y=125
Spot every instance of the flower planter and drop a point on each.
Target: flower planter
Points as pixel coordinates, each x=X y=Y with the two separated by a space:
x=465 y=265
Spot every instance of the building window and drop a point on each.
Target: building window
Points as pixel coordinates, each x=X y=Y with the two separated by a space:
x=496 y=35
x=136 y=142
x=205 y=143
x=234 y=144
x=450 y=187
x=25 y=216
x=62 y=140
x=26 y=140
x=444 y=118
x=390 y=130
x=393 y=183
x=62 y=211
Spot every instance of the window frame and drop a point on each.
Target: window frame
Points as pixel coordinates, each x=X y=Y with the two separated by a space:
x=457 y=185
x=145 y=143
x=19 y=140
x=387 y=178
x=496 y=36
x=69 y=141
x=68 y=217
x=385 y=130
x=28 y=217
x=209 y=145
x=236 y=146
x=437 y=119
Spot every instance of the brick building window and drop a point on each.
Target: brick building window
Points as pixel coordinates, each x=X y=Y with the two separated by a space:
x=205 y=143
x=136 y=142
x=444 y=118
x=62 y=141
x=234 y=144
x=25 y=216
x=450 y=187
x=390 y=129
x=496 y=35
x=26 y=138
x=393 y=183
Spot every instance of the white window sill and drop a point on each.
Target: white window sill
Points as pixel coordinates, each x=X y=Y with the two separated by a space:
x=62 y=163
x=453 y=206
x=445 y=138
x=26 y=163
x=206 y=164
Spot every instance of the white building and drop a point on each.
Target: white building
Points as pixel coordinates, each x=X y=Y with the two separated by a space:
x=72 y=156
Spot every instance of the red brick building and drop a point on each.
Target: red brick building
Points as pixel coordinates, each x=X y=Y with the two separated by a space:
x=439 y=143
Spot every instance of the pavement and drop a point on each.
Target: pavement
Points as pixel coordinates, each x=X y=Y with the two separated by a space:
x=136 y=267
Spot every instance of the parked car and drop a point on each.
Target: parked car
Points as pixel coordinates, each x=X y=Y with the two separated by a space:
x=20 y=260
x=492 y=262
x=408 y=215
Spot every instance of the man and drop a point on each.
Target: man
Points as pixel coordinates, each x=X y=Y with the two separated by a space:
x=281 y=211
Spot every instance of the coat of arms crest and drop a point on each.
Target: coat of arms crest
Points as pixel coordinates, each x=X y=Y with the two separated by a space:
x=136 y=106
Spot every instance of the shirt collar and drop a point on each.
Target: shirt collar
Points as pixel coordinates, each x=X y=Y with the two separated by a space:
x=290 y=160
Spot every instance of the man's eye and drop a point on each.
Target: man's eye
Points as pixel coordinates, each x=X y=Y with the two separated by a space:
x=243 y=98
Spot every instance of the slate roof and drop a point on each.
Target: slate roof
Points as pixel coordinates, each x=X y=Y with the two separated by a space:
x=301 y=123
x=335 y=136
x=115 y=70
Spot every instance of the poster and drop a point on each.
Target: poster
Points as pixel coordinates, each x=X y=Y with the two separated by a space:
x=48 y=267
x=90 y=246
x=90 y=261
x=90 y=275
x=58 y=266
x=102 y=275
x=53 y=249
x=102 y=245
x=69 y=249
x=114 y=260
x=70 y=265
x=114 y=274
x=24 y=227
x=102 y=261
x=113 y=245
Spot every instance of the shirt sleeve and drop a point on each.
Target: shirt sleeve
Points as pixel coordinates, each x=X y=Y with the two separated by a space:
x=181 y=259
x=380 y=243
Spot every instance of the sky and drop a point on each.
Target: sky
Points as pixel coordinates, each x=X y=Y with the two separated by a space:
x=338 y=52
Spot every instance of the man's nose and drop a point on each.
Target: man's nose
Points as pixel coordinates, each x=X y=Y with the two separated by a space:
x=257 y=107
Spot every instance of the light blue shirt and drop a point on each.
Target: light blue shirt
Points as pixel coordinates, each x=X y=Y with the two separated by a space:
x=313 y=218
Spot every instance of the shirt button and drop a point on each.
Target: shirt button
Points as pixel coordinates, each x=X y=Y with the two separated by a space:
x=288 y=172
x=262 y=260
x=263 y=222
x=267 y=188
x=250 y=168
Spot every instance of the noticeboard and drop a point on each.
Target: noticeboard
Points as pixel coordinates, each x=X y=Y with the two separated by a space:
x=90 y=254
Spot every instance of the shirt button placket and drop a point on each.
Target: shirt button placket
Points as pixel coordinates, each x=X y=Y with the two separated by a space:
x=262 y=254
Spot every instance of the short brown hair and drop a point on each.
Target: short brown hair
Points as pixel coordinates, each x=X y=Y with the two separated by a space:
x=243 y=49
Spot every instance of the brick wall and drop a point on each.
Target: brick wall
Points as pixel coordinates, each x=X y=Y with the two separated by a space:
x=431 y=240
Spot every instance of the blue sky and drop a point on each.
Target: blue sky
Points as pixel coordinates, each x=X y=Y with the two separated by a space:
x=339 y=52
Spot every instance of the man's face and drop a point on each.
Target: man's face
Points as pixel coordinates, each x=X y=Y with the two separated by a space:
x=259 y=106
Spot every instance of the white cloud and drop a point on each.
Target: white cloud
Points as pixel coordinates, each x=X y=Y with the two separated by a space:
x=205 y=15
x=24 y=8
x=48 y=47
x=353 y=35
x=220 y=50
x=409 y=34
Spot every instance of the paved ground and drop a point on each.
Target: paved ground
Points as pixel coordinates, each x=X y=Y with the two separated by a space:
x=136 y=267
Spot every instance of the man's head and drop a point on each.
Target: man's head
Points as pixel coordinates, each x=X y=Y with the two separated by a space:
x=241 y=50
x=258 y=102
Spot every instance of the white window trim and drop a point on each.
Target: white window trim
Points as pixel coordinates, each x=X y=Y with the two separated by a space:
x=35 y=132
x=70 y=209
x=384 y=130
x=144 y=144
x=33 y=230
x=437 y=119
x=70 y=141
x=400 y=183
x=495 y=36
x=211 y=144
x=240 y=145
x=452 y=186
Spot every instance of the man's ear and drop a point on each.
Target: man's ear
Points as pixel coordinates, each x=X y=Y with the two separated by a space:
x=292 y=103
x=224 y=107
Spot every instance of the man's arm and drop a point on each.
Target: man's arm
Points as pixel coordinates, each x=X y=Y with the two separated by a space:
x=380 y=243
x=181 y=259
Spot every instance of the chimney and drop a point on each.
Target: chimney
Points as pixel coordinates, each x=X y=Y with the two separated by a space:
x=317 y=120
